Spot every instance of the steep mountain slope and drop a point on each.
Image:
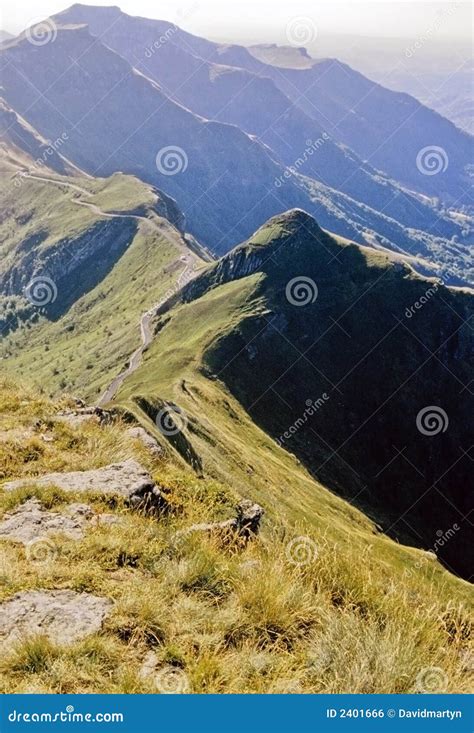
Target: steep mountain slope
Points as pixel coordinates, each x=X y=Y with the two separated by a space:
x=22 y=147
x=387 y=129
x=118 y=120
x=81 y=259
x=389 y=216
x=449 y=259
x=438 y=73
x=313 y=603
x=381 y=356
x=255 y=104
x=226 y=182
x=384 y=127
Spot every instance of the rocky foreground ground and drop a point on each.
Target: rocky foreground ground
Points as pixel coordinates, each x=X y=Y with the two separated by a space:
x=124 y=572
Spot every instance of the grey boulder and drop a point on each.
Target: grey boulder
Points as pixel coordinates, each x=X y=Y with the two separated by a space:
x=63 y=616
x=127 y=479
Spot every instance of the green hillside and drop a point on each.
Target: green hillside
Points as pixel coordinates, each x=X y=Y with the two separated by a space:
x=108 y=248
x=316 y=602
x=236 y=351
x=243 y=363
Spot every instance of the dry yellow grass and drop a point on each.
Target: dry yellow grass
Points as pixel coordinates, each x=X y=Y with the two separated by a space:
x=217 y=619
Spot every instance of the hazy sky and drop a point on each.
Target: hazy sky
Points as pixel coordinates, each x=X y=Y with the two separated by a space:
x=266 y=20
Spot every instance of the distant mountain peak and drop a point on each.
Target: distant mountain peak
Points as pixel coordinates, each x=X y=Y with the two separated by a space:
x=287 y=224
x=105 y=10
x=288 y=57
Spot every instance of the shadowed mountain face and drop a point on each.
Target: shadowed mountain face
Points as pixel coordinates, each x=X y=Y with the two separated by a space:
x=438 y=74
x=116 y=119
x=23 y=146
x=384 y=127
x=254 y=102
x=387 y=129
x=225 y=179
x=370 y=388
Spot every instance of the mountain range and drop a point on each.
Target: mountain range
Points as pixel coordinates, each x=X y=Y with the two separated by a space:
x=225 y=110
x=236 y=370
x=348 y=351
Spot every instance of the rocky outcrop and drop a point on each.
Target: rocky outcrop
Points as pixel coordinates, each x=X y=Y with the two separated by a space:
x=63 y=616
x=104 y=239
x=167 y=207
x=147 y=440
x=82 y=413
x=30 y=522
x=128 y=480
x=245 y=525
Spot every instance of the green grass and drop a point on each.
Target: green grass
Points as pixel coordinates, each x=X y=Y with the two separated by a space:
x=37 y=207
x=91 y=343
x=227 y=619
x=365 y=614
x=85 y=348
x=182 y=366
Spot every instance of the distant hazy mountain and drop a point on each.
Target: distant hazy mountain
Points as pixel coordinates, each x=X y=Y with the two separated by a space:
x=251 y=100
x=228 y=178
x=386 y=128
x=256 y=105
x=113 y=119
x=435 y=70
x=22 y=146
x=117 y=119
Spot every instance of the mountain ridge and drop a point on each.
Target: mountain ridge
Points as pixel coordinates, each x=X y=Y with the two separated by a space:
x=391 y=352
x=259 y=198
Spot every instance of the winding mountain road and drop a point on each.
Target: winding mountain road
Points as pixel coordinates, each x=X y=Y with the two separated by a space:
x=188 y=258
x=88 y=204
x=145 y=331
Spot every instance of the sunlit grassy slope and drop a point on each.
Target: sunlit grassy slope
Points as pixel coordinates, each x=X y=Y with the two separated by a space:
x=110 y=271
x=362 y=615
x=184 y=366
